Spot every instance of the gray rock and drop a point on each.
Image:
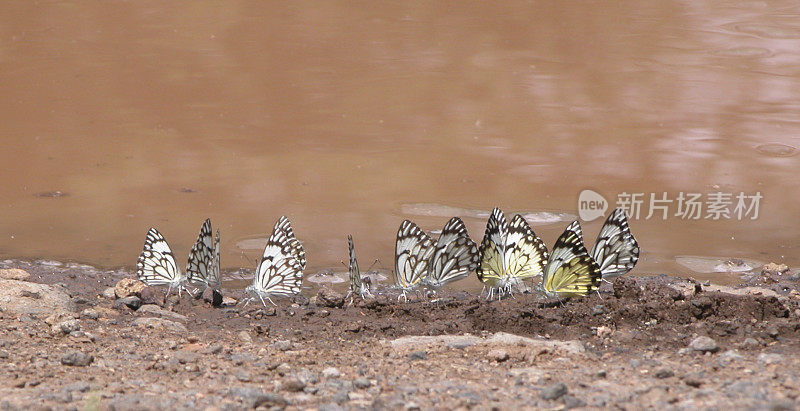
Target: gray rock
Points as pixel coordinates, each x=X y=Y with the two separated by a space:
x=498 y=355
x=663 y=373
x=750 y=343
x=269 y=400
x=282 y=345
x=704 y=344
x=331 y=372
x=22 y=297
x=327 y=297
x=292 y=384
x=109 y=293
x=418 y=355
x=159 y=323
x=80 y=386
x=158 y=311
x=245 y=337
x=307 y=376
x=554 y=391
x=767 y=358
x=76 y=359
x=90 y=314
x=133 y=302
x=65 y=327
x=361 y=383
x=331 y=406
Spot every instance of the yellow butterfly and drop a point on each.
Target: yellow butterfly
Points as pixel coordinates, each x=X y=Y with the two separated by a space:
x=509 y=253
x=570 y=270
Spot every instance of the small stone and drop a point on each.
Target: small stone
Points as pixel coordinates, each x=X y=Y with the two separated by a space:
x=599 y=309
x=15 y=274
x=767 y=358
x=65 y=327
x=152 y=295
x=127 y=287
x=704 y=344
x=411 y=406
x=772 y=331
x=331 y=372
x=327 y=297
x=750 y=343
x=554 y=391
x=76 y=359
x=604 y=331
x=730 y=355
x=109 y=293
x=293 y=384
x=216 y=299
x=361 y=383
x=498 y=355
x=269 y=400
x=663 y=373
x=131 y=302
x=282 y=345
x=90 y=314
x=283 y=369
x=692 y=381
x=418 y=355
x=245 y=337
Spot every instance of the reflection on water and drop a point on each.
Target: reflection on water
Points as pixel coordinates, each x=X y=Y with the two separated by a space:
x=340 y=116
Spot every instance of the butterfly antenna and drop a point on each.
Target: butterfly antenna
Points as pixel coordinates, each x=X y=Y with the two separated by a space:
x=345 y=265
x=249 y=261
x=377 y=261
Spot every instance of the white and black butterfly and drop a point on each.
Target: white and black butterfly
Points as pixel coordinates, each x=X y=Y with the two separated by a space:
x=412 y=253
x=202 y=270
x=616 y=250
x=509 y=253
x=357 y=285
x=455 y=255
x=157 y=266
x=570 y=271
x=280 y=271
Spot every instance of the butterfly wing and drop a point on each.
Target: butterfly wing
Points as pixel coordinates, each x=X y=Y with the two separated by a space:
x=455 y=254
x=616 y=250
x=156 y=265
x=413 y=250
x=525 y=253
x=570 y=271
x=201 y=258
x=355 y=274
x=280 y=271
x=492 y=267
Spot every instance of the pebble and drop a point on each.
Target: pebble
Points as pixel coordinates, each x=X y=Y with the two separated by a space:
x=418 y=355
x=554 y=391
x=663 y=373
x=245 y=337
x=282 y=345
x=76 y=359
x=704 y=344
x=128 y=287
x=327 y=297
x=331 y=372
x=767 y=358
x=109 y=293
x=133 y=302
x=361 y=383
x=498 y=355
x=293 y=384
x=15 y=274
x=65 y=327
x=750 y=343
x=90 y=314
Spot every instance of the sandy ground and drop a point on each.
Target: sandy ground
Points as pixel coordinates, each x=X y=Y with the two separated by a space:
x=657 y=342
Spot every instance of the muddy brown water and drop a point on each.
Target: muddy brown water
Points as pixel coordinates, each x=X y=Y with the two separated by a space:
x=115 y=117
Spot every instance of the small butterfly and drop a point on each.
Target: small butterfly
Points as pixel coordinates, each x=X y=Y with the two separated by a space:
x=156 y=265
x=412 y=252
x=202 y=269
x=357 y=285
x=280 y=271
x=509 y=253
x=570 y=271
x=455 y=255
x=616 y=250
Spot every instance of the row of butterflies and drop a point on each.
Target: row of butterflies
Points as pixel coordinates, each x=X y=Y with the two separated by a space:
x=509 y=254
